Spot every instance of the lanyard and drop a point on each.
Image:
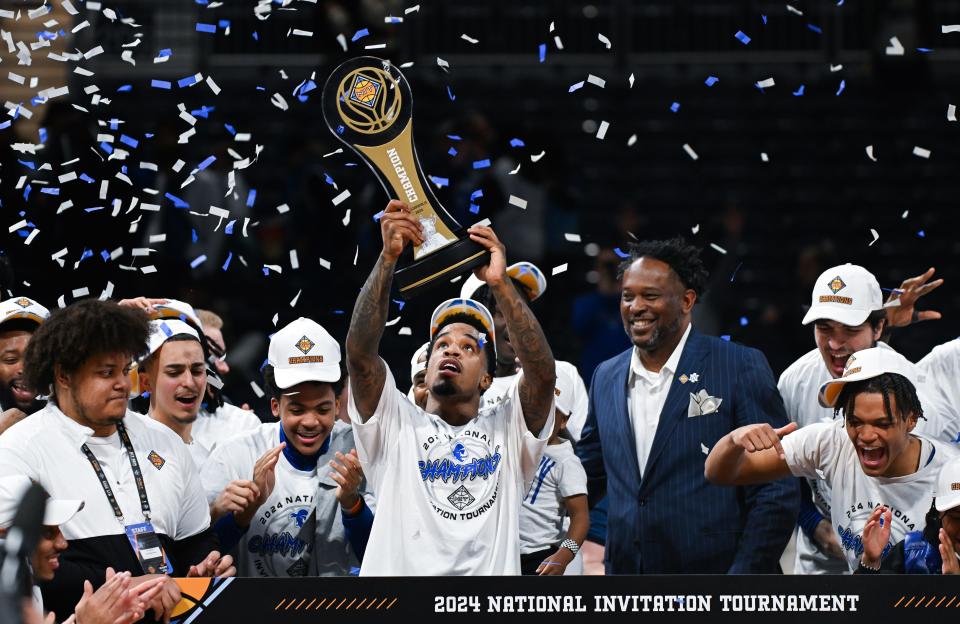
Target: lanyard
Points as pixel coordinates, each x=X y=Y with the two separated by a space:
x=137 y=476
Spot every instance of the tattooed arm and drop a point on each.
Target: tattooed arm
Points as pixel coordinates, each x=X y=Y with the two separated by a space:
x=539 y=370
x=366 y=369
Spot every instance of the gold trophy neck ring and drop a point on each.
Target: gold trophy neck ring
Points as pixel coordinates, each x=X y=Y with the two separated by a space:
x=368 y=100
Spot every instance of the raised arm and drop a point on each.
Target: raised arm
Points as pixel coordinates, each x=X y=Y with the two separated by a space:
x=747 y=455
x=397 y=227
x=539 y=370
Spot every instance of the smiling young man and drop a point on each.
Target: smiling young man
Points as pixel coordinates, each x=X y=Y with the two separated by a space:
x=19 y=318
x=135 y=475
x=291 y=492
x=872 y=457
x=655 y=409
x=848 y=315
x=449 y=478
x=175 y=374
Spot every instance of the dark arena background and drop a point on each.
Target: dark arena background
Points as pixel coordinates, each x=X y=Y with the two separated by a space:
x=174 y=148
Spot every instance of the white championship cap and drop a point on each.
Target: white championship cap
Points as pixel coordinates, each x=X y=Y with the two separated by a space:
x=564 y=400
x=23 y=308
x=527 y=273
x=162 y=330
x=415 y=365
x=174 y=308
x=867 y=364
x=846 y=294
x=948 y=485
x=12 y=490
x=303 y=351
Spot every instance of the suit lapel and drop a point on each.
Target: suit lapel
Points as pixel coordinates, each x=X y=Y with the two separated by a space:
x=675 y=408
x=623 y=428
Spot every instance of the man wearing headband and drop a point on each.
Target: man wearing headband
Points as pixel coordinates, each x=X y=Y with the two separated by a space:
x=871 y=457
x=531 y=282
x=19 y=318
x=449 y=481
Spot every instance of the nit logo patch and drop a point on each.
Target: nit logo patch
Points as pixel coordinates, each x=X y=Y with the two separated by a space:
x=365 y=90
x=305 y=344
x=836 y=285
x=23 y=302
x=156 y=460
x=461 y=497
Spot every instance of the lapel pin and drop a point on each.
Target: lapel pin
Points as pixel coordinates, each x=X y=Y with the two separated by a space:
x=694 y=378
x=684 y=379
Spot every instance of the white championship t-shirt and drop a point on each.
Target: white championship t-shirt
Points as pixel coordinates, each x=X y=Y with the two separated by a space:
x=282 y=532
x=799 y=386
x=560 y=476
x=942 y=367
x=448 y=498
x=581 y=400
x=825 y=450
x=226 y=422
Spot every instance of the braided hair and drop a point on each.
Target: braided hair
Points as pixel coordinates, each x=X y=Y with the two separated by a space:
x=887 y=384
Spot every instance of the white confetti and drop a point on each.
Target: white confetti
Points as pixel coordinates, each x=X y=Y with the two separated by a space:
x=764 y=157
x=61 y=302
x=632 y=140
x=604 y=40
x=81 y=292
x=283 y=208
x=278 y=101
x=443 y=64
x=415 y=8
x=951 y=112
x=718 y=248
x=339 y=199
x=631 y=80
x=835 y=68
x=469 y=39
x=514 y=201
x=158 y=238
x=336 y=151
x=921 y=152
x=31 y=236
x=375 y=46
x=107 y=292
x=951 y=28
x=342 y=41
x=695 y=228
x=905 y=213
x=393 y=322
x=296 y=32
x=16 y=226
x=794 y=10
x=689 y=150
x=293 y=303
x=256 y=389
x=148 y=269
x=596 y=80
x=294 y=261
x=560 y=268
x=213 y=85
x=557 y=42
x=766 y=83
x=704 y=449
x=875 y=236
x=602 y=131
x=405 y=331
x=276 y=268
x=573 y=238
x=537 y=157
x=515 y=170
x=575 y=86
x=895 y=48
x=870 y=153
x=324 y=263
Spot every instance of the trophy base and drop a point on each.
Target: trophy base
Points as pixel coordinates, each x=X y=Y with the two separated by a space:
x=440 y=266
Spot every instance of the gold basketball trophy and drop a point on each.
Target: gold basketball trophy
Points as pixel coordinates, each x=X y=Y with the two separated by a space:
x=367 y=104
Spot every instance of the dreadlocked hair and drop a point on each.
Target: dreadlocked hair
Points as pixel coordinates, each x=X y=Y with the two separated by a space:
x=887 y=384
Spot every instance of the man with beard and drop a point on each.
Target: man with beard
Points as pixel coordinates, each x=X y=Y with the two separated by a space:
x=654 y=412
x=175 y=375
x=144 y=510
x=19 y=318
x=449 y=478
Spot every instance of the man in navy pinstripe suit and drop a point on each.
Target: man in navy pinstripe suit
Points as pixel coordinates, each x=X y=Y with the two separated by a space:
x=655 y=412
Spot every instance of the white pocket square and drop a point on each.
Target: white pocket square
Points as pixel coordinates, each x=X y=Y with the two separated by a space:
x=702 y=404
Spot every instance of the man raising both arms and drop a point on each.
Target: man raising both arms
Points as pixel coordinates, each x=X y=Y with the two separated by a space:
x=449 y=482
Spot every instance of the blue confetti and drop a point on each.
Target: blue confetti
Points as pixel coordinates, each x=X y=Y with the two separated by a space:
x=206 y=28
x=742 y=37
x=251 y=197
x=224 y=24
x=764 y=18
x=189 y=81
x=125 y=88
x=203 y=111
x=198 y=261
x=266 y=271
x=105 y=255
x=440 y=182
x=94 y=209
x=164 y=53
x=743 y=321
x=43 y=135
x=51 y=190
x=675 y=106
x=711 y=80
x=338 y=312
x=450 y=94
x=543 y=52
x=922 y=234
x=843 y=85
x=86 y=178
x=454 y=137
x=256 y=36
x=476 y=194
x=229 y=229
x=26 y=192
x=5 y=124
x=620 y=252
x=28 y=164
x=106 y=147
x=86 y=254
x=726 y=338
x=209 y=160
x=177 y=202
x=160 y=84
x=815 y=29
x=517 y=143
x=475 y=209
x=452 y=151
x=481 y=164
x=226 y=265
x=360 y=34
x=377 y=216
x=925 y=50
x=799 y=91
x=132 y=142
x=193 y=235
x=230 y=129
x=145 y=394
x=400 y=303
x=329 y=180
